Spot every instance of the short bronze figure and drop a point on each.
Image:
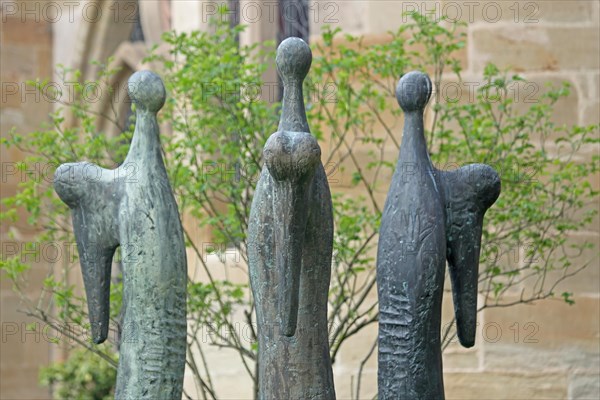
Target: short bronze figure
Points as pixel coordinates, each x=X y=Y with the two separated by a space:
x=290 y=241
x=430 y=216
x=133 y=207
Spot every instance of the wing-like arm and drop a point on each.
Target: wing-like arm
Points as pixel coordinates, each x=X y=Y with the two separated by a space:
x=83 y=187
x=469 y=192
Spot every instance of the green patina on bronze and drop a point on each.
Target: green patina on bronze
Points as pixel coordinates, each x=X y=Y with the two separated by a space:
x=133 y=207
x=290 y=239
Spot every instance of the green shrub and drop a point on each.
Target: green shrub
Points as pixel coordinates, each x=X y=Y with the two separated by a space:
x=214 y=156
x=83 y=376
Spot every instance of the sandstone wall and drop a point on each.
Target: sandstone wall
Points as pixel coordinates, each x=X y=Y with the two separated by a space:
x=26 y=47
x=547 y=350
x=550 y=349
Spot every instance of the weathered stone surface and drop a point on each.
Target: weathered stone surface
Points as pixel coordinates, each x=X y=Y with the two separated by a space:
x=22 y=386
x=133 y=207
x=22 y=343
x=548 y=331
x=16 y=29
x=338 y=14
x=25 y=53
x=456 y=357
x=577 y=12
x=232 y=380
x=589 y=82
x=566 y=109
x=523 y=94
x=346 y=380
x=587 y=281
x=521 y=357
x=537 y=48
x=584 y=386
x=429 y=216
x=506 y=385
x=591 y=114
x=511 y=14
x=290 y=239
x=356 y=348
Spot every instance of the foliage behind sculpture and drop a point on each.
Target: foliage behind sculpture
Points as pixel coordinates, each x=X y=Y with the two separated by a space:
x=541 y=193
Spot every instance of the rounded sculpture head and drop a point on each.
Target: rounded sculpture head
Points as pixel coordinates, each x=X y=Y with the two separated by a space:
x=413 y=91
x=147 y=90
x=293 y=59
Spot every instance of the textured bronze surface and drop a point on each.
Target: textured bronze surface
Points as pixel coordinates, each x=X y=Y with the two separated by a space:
x=133 y=207
x=430 y=216
x=290 y=240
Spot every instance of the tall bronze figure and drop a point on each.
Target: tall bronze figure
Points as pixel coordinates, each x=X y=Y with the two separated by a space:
x=290 y=239
x=430 y=216
x=133 y=207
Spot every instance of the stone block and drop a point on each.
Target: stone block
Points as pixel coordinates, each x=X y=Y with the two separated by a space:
x=346 y=384
x=596 y=13
x=505 y=385
x=229 y=378
x=356 y=348
x=578 y=12
x=21 y=383
x=340 y=14
x=565 y=110
x=591 y=114
x=383 y=16
x=224 y=263
x=16 y=62
x=455 y=356
x=536 y=48
x=586 y=282
x=584 y=386
x=20 y=343
x=523 y=94
x=589 y=83
x=539 y=325
x=27 y=29
x=225 y=364
x=519 y=357
x=512 y=14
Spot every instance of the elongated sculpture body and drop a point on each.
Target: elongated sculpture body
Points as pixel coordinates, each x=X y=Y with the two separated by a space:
x=290 y=240
x=430 y=216
x=133 y=207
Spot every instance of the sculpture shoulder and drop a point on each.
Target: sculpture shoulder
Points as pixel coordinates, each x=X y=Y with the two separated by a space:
x=74 y=182
x=477 y=185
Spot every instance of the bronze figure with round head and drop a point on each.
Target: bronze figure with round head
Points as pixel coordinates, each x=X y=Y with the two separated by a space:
x=430 y=217
x=290 y=241
x=137 y=212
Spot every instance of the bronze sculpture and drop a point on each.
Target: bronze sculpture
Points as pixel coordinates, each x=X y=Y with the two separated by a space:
x=430 y=216
x=133 y=207
x=290 y=239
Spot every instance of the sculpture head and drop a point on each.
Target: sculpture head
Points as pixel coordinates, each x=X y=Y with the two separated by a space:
x=413 y=91
x=147 y=91
x=293 y=60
